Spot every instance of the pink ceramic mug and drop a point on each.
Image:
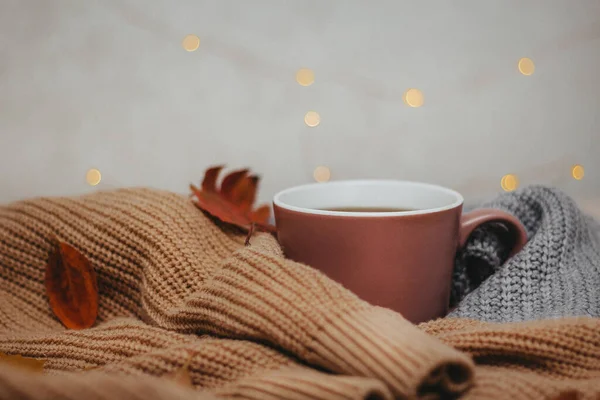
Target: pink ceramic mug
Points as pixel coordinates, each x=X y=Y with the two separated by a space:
x=402 y=260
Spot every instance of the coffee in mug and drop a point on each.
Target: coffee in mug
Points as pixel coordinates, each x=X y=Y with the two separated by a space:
x=367 y=209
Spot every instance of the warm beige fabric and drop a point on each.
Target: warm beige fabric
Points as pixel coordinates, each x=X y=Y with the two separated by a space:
x=175 y=287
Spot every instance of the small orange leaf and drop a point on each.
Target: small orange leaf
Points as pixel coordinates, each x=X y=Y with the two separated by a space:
x=261 y=215
x=31 y=364
x=209 y=184
x=244 y=193
x=220 y=208
x=231 y=181
x=71 y=287
x=232 y=202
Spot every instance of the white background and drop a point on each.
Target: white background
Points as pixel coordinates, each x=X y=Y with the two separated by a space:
x=106 y=84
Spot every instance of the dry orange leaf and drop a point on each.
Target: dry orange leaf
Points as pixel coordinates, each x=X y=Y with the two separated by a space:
x=232 y=202
x=31 y=364
x=71 y=287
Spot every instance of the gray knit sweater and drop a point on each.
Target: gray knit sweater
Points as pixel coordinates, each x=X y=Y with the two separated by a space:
x=557 y=274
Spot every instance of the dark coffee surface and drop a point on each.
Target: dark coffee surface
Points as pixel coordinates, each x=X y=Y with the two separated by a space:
x=367 y=209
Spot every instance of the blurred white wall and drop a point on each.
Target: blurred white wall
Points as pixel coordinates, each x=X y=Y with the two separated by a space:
x=106 y=84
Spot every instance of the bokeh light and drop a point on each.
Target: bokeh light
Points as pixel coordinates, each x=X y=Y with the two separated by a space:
x=312 y=119
x=509 y=182
x=322 y=174
x=413 y=98
x=305 y=77
x=93 y=177
x=526 y=66
x=191 y=42
x=577 y=172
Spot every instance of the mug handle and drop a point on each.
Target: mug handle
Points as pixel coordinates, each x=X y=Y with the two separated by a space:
x=472 y=220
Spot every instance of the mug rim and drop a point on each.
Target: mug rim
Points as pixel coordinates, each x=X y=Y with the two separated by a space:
x=306 y=210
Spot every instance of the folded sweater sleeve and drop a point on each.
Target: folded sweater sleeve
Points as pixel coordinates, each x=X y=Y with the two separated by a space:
x=259 y=295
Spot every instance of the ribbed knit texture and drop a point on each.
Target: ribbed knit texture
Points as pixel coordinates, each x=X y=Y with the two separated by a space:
x=557 y=274
x=176 y=287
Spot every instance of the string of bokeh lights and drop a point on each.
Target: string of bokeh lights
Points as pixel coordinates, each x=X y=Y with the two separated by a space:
x=412 y=97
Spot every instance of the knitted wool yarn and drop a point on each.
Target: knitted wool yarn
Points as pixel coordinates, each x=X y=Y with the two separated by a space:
x=557 y=274
x=177 y=289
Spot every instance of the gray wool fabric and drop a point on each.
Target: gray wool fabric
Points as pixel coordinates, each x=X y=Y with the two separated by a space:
x=557 y=274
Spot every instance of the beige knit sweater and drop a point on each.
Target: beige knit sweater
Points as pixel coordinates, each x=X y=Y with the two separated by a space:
x=176 y=287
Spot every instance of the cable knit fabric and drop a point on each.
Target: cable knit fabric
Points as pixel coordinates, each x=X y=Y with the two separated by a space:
x=175 y=287
x=557 y=274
